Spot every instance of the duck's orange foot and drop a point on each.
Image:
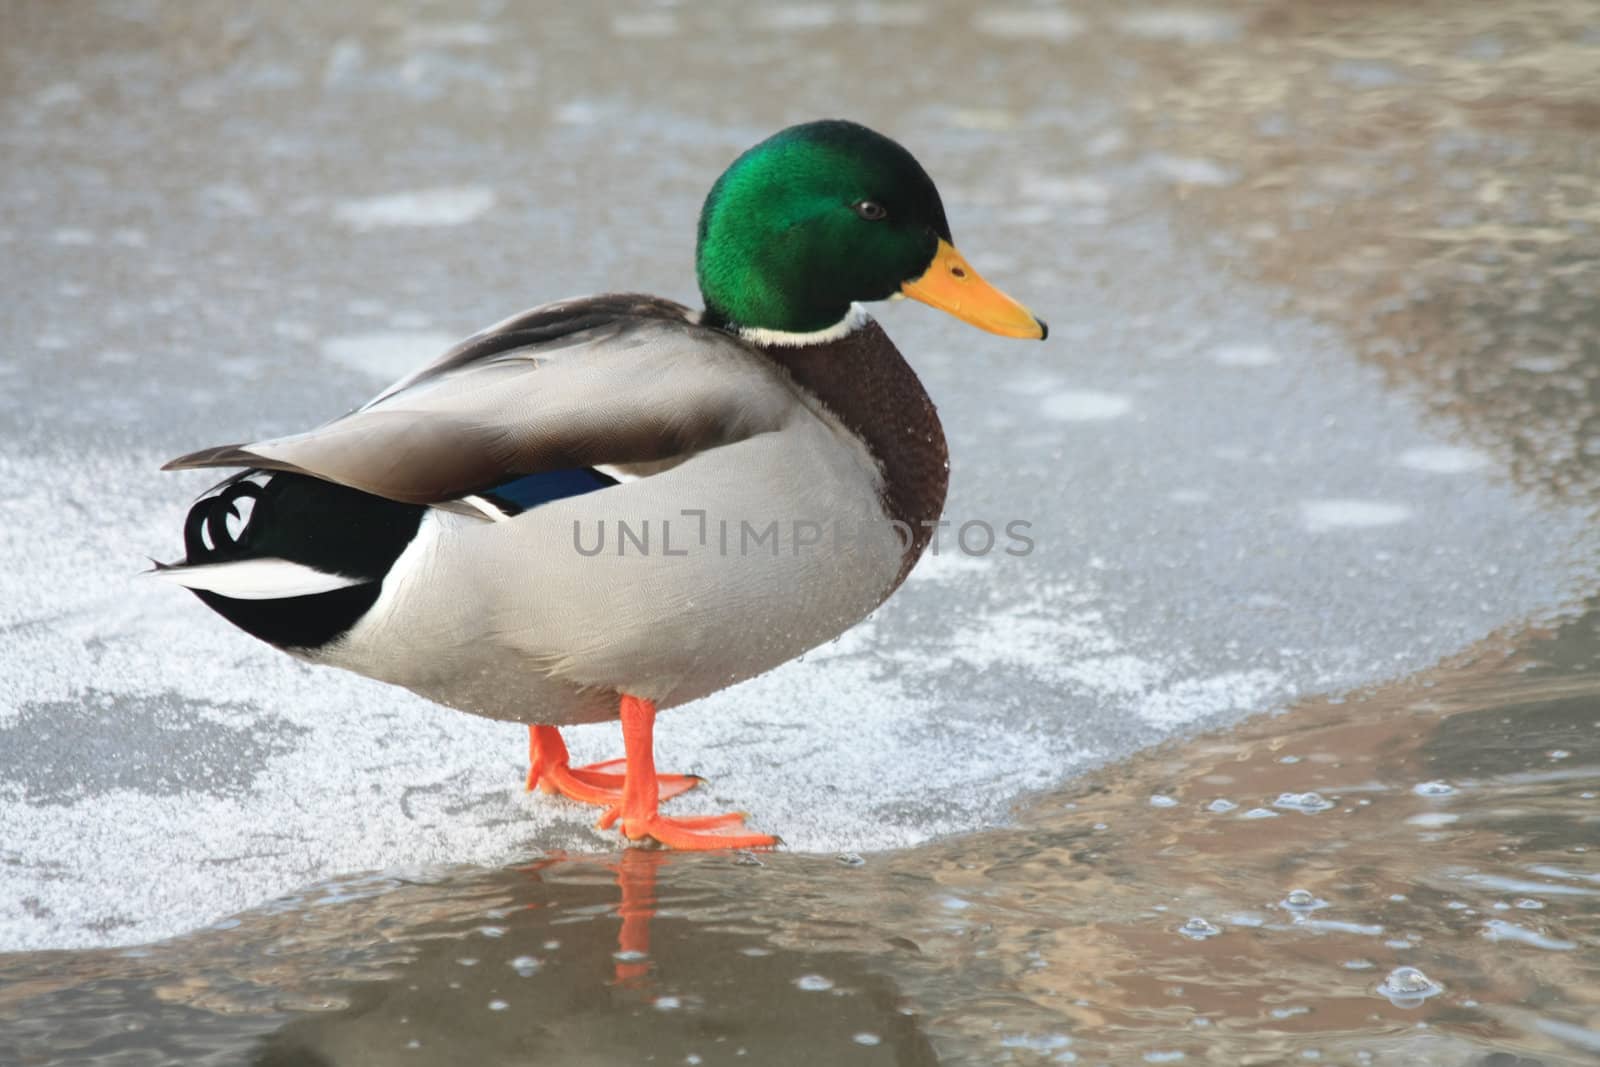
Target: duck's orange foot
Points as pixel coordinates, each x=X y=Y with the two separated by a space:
x=550 y=772
x=637 y=809
x=688 y=833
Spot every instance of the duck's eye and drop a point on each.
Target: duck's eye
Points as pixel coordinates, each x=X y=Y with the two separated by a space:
x=870 y=210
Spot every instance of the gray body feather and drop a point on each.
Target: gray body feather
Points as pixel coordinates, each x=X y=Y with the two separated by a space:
x=764 y=513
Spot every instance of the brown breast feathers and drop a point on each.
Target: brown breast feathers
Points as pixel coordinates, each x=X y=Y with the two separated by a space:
x=863 y=379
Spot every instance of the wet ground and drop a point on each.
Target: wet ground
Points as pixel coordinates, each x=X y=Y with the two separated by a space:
x=1318 y=434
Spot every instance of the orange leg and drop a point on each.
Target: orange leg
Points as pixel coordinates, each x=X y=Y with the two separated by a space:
x=638 y=810
x=548 y=769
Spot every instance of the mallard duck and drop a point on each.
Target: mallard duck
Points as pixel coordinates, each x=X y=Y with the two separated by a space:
x=611 y=505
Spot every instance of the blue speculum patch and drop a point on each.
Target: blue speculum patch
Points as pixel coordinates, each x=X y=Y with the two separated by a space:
x=529 y=491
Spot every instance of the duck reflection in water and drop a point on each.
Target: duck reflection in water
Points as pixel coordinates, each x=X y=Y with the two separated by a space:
x=607 y=959
x=636 y=880
x=635 y=873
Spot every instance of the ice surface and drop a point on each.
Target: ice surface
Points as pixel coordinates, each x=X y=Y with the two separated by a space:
x=387 y=354
x=1322 y=515
x=1444 y=459
x=796 y=17
x=1189 y=25
x=1186 y=170
x=644 y=24
x=1084 y=405
x=1028 y=24
x=1215 y=532
x=1244 y=356
x=423 y=207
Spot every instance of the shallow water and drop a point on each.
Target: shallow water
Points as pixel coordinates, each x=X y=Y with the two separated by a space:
x=1252 y=515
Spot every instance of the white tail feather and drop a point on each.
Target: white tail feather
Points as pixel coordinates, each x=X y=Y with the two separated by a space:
x=257 y=579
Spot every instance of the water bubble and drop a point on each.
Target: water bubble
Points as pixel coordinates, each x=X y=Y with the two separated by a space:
x=747 y=859
x=668 y=1003
x=1305 y=803
x=1221 y=805
x=814 y=983
x=1259 y=813
x=525 y=966
x=1407 y=987
x=867 y=1038
x=629 y=955
x=850 y=859
x=492 y=931
x=1303 y=901
x=1434 y=788
x=1161 y=800
x=498 y=1005
x=1198 y=929
x=1529 y=904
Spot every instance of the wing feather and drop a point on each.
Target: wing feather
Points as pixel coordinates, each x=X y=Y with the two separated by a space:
x=607 y=381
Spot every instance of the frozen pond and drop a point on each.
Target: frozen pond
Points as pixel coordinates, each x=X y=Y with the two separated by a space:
x=1290 y=438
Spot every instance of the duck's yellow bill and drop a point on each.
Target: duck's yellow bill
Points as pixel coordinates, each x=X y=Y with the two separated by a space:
x=951 y=285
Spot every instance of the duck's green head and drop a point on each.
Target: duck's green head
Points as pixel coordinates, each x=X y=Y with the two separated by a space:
x=825 y=214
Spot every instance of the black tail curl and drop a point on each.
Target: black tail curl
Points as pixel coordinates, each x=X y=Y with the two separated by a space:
x=206 y=537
